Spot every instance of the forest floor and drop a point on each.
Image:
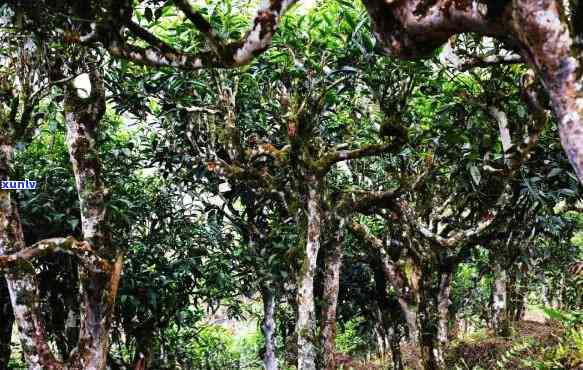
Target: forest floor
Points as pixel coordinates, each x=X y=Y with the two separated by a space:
x=484 y=350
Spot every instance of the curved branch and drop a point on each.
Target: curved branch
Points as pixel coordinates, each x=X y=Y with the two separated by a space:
x=234 y=54
x=391 y=269
x=323 y=165
x=201 y=24
x=490 y=60
x=367 y=202
x=150 y=38
x=71 y=246
x=461 y=236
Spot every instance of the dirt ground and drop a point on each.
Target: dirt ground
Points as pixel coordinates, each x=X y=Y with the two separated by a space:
x=485 y=351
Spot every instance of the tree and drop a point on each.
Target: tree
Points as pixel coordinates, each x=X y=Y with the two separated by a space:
x=410 y=29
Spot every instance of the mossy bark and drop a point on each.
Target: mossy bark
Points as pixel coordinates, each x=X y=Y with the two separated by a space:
x=98 y=287
x=333 y=264
x=268 y=327
x=21 y=281
x=6 y=323
x=306 y=324
x=500 y=320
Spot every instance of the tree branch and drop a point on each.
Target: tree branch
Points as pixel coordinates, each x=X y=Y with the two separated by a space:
x=79 y=249
x=391 y=269
x=367 y=202
x=515 y=155
x=201 y=24
x=323 y=164
x=150 y=38
x=229 y=55
x=461 y=236
x=490 y=60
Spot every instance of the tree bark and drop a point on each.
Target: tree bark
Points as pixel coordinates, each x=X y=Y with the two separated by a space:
x=333 y=264
x=6 y=323
x=443 y=302
x=542 y=29
x=98 y=286
x=500 y=322
x=306 y=325
x=22 y=283
x=428 y=332
x=268 y=328
x=389 y=315
x=414 y=29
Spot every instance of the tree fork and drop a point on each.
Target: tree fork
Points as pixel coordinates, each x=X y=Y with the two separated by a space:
x=98 y=288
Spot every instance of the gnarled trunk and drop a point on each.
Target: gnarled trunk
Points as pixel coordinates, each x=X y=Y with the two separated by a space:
x=389 y=315
x=306 y=325
x=6 y=322
x=22 y=283
x=549 y=46
x=333 y=264
x=268 y=327
x=98 y=285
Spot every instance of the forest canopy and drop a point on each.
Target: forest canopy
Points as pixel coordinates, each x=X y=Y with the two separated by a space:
x=291 y=184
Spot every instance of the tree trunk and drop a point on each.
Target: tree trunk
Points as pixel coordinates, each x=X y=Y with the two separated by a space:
x=405 y=297
x=6 y=322
x=431 y=356
x=389 y=315
x=306 y=325
x=427 y=336
x=522 y=299
x=333 y=264
x=395 y=344
x=443 y=302
x=98 y=285
x=22 y=283
x=500 y=322
x=544 y=289
x=268 y=328
x=143 y=352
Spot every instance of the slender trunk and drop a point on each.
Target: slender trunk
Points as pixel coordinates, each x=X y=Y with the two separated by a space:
x=268 y=328
x=143 y=352
x=410 y=311
x=98 y=286
x=499 y=320
x=333 y=263
x=544 y=289
x=431 y=356
x=389 y=315
x=395 y=344
x=443 y=302
x=6 y=322
x=306 y=325
x=427 y=336
x=22 y=283
x=522 y=299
